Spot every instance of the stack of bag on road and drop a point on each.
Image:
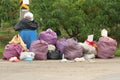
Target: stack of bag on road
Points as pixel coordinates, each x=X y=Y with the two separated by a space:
x=49 y=47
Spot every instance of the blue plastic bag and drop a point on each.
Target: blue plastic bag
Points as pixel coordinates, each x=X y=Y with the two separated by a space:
x=28 y=36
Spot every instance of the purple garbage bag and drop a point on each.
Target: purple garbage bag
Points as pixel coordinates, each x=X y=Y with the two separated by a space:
x=49 y=36
x=12 y=50
x=40 y=48
x=72 y=49
x=60 y=44
x=106 y=47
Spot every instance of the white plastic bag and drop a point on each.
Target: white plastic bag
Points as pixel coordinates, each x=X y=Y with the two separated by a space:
x=27 y=56
x=104 y=33
x=90 y=37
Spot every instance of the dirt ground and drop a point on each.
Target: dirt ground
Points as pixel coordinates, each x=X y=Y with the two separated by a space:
x=101 y=69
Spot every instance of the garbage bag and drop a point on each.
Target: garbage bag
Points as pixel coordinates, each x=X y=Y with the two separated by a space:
x=49 y=36
x=106 y=47
x=40 y=48
x=12 y=50
x=54 y=54
x=72 y=49
x=28 y=36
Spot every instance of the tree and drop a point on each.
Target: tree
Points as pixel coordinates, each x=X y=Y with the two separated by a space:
x=9 y=11
x=78 y=18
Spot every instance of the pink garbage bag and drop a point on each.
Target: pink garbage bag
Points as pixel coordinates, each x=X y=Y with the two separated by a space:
x=106 y=47
x=49 y=36
x=72 y=49
x=12 y=50
x=40 y=48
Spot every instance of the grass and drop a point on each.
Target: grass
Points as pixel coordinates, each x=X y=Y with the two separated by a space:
x=1 y=50
x=118 y=52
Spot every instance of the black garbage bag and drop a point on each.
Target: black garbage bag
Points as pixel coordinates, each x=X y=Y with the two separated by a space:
x=54 y=54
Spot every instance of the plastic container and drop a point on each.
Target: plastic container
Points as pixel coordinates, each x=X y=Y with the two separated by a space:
x=28 y=59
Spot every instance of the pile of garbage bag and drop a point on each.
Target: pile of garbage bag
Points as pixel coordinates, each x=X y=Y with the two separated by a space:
x=49 y=47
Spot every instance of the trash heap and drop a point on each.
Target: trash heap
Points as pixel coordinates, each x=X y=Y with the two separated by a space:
x=49 y=47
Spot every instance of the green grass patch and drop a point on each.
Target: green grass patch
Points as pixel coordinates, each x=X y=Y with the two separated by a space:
x=117 y=52
x=1 y=49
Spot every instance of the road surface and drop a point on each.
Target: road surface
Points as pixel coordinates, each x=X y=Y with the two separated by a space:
x=99 y=69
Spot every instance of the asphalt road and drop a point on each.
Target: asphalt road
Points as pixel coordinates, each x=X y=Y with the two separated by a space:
x=100 y=69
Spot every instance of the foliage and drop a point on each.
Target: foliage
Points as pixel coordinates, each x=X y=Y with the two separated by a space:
x=9 y=10
x=78 y=18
